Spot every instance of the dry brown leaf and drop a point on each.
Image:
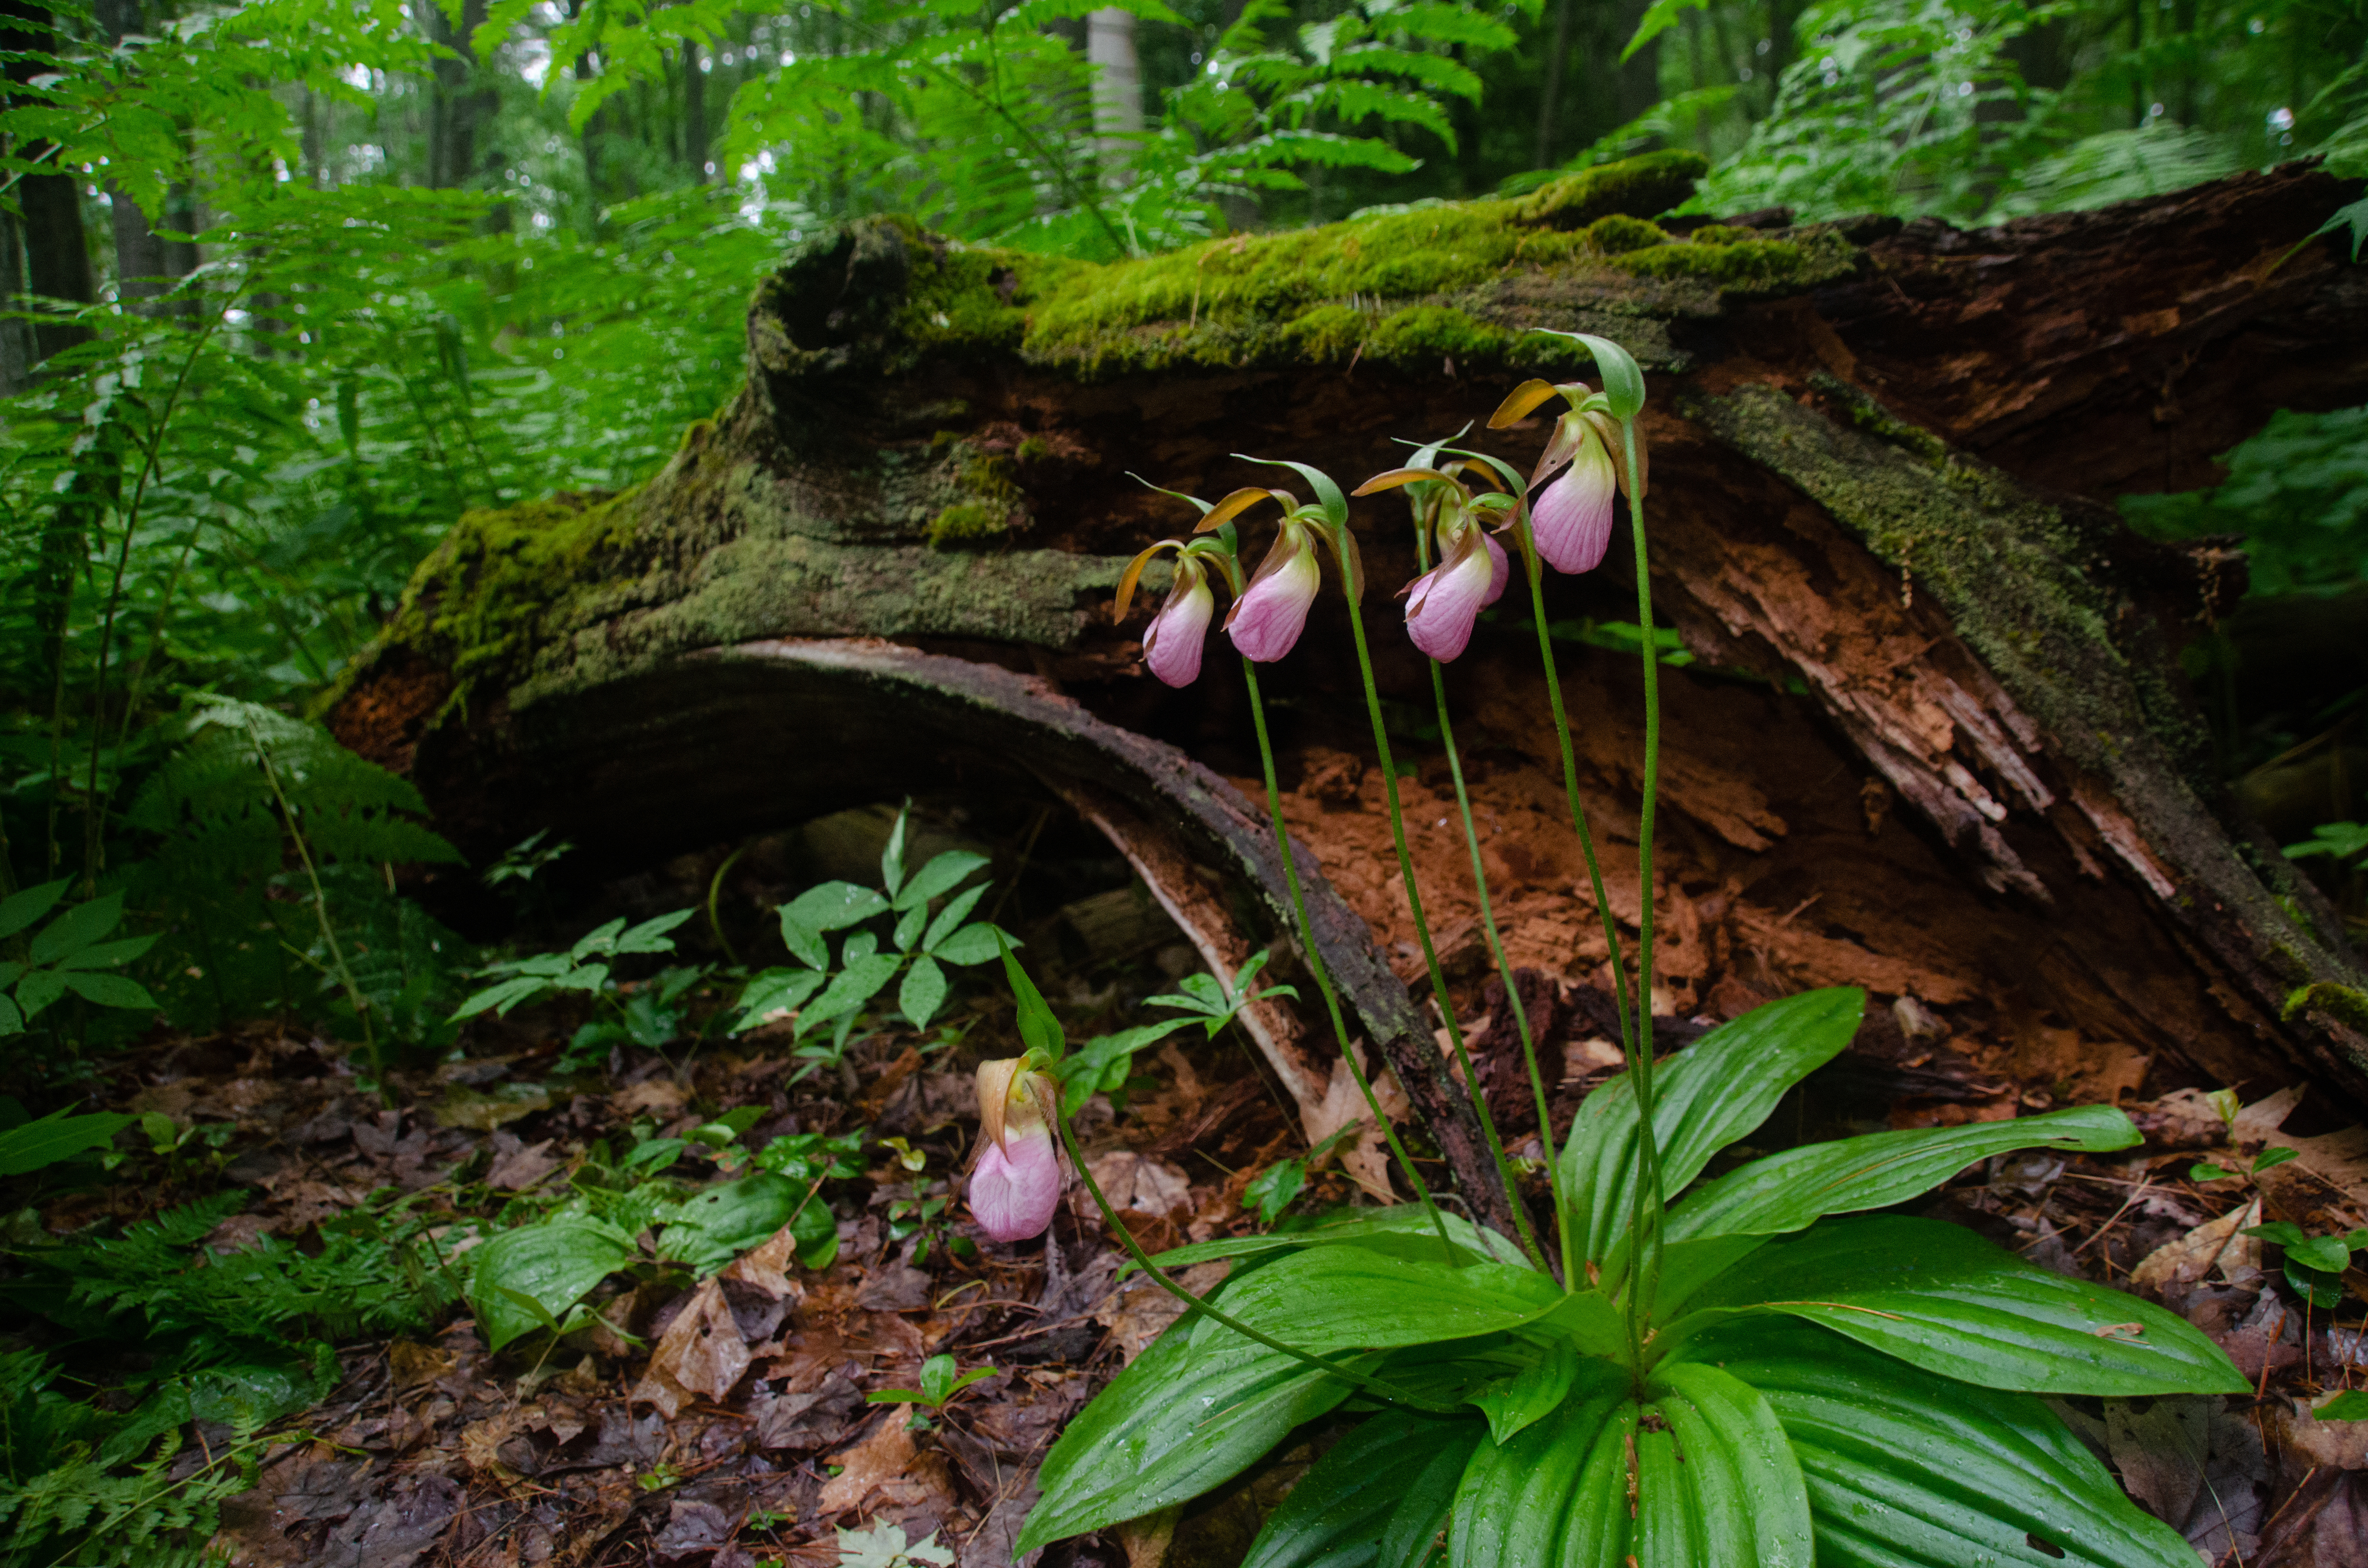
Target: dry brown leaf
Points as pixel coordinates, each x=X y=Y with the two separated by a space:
x=1142 y=1183
x=701 y=1353
x=521 y=1168
x=2190 y=1258
x=659 y=1098
x=2344 y=1444
x=880 y=1457
x=413 y=1365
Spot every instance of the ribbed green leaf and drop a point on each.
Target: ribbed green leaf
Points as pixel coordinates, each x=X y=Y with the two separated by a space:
x=1788 y=1191
x=1599 y=1529
x=1509 y=1510
x=1942 y=1298
x=1377 y=1498
x=1523 y=1397
x=1905 y=1469
x=1184 y=1418
x=1733 y=1497
x=1340 y=1297
x=1404 y=1230
x=1709 y=1095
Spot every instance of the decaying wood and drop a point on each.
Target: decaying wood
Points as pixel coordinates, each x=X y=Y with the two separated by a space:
x=1936 y=741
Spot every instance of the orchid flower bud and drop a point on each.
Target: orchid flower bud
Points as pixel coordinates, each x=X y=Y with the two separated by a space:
x=1171 y=647
x=1268 y=619
x=1571 y=521
x=1016 y=1185
x=1444 y=601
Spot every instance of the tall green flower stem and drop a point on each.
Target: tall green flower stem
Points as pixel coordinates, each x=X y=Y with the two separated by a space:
x=1645 y=1224
x=1422 y=924
x=1322 y=972
x=1505 y=969
x=1380 y=1387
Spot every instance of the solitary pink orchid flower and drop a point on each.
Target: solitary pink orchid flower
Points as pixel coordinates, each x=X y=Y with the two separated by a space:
x=1171 y=647
x=1445 y=600
x=1016 y=1185
x=1572 y=520
x=1267 y=619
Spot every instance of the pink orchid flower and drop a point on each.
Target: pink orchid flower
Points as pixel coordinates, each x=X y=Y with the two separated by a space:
x=1171 y=648
x=1444 y=601
x=1016 y=1185
x=1267 y=619
x=1571 y=521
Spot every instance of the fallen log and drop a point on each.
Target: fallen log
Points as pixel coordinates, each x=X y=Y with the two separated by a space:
x=1934 y=739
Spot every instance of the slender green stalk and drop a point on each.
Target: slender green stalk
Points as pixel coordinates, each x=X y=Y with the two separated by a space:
x=1505 y=969
x=1382 y=1387
x=1316 y=966
x=1422 y=930
x=1645 y=1228
x=345 y=974
x=1578 y=821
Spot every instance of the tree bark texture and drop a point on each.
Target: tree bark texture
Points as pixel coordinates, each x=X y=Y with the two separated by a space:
x=1935 y=740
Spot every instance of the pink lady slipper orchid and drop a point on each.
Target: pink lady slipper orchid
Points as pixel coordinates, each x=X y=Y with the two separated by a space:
x=1172 y=643
x=1571 y=521
x=1445 y=600
x=1016 y=1185
x=1266 y=621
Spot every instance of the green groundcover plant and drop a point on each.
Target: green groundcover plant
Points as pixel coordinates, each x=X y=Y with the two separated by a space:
x=1759 y=1368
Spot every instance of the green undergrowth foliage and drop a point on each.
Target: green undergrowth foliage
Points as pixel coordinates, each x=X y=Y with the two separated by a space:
x=1819 y=1381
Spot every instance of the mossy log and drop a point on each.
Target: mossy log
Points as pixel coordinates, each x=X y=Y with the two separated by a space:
x=1884 y=458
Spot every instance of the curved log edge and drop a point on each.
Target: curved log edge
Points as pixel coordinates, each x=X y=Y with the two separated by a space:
x=1883 y=455
x=786 y=718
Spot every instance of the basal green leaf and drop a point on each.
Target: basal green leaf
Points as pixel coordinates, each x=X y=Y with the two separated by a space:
x=833 y=907
x=938 y=877
x=1905 y=1469
x=552 y=1263
x=1378 y=1496
x=1510 y=1508
x=1517 y=1401
x=1734 y=1493
x=77 y=928
x=1942 y=1298
x=1788 y=1191
x=1709 y=1095
x=1183 y=1418
x=1403 y=1230
x=1341 y=1298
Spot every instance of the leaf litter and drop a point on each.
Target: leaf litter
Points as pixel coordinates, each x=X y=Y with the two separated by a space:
x=724 y=1420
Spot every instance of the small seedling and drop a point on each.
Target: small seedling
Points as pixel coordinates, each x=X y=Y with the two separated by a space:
x=2314 y=1265
x=659 y=1476
x=1271 y=1191
x=938 y=1386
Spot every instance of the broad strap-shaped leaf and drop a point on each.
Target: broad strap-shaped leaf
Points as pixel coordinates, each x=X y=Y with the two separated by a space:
x=1345 y=1298
x=1378 y=1497
x=1731 y=1492
x=1182 y=1419
x=1510 y=1508
x=1716 y=1090
x=550 y=1264
x=1404 y=1230
x=1942 y=1298
x=1795 y=1188
x=1528 y=1393
x=1905 y=1469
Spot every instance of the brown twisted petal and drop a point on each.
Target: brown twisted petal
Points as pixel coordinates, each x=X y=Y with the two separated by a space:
x=1520 y=402
x=1233 y=505
x=995 y=1094
x=1134 y=573
x=1609 y=428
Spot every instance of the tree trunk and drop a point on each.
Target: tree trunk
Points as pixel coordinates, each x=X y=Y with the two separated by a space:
x=1935 y=740
x=46 y=255
x=458 y=107
x=1118 y=88
x=694 y=112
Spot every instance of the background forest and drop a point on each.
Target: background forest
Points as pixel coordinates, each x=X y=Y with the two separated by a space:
x=291 y=285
